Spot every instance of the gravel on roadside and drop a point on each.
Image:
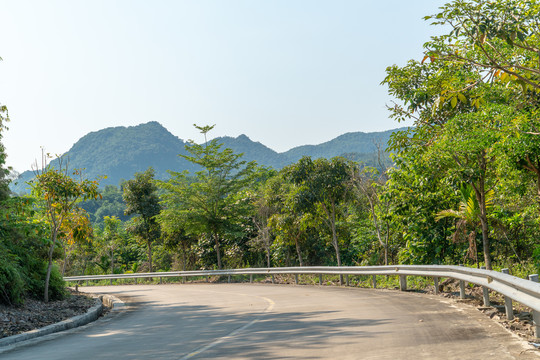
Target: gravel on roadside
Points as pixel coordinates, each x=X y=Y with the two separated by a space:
x=36 y=314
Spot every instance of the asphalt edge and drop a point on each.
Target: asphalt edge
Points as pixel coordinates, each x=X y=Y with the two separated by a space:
x=91 y=315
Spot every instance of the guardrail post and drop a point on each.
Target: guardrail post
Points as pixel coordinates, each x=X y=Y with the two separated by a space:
x=206 y=278
x=135 y=281
x=436 y=284
x=320 y=279
x=536 y=314
x=160 y=280
x=461 y=287
x=250 y=278
x=229 y=279
x=86 y=282
x=346 y=280
x=110 y=282
x=402 y=282
x=296 y=279
x=374 y=281
x=508 y=301
x=273 y=279
x=485 y=291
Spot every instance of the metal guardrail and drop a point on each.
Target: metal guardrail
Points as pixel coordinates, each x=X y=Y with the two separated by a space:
x=523 y=291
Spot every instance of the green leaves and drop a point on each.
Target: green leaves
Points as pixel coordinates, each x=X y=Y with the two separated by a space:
x=215 y=201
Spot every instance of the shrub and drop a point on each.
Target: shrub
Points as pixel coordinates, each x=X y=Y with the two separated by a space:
x=11 y=280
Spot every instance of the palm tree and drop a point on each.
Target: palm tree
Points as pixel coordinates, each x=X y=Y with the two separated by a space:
x=468 y=219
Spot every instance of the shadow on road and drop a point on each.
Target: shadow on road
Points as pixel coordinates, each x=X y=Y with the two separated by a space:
x=172 y=331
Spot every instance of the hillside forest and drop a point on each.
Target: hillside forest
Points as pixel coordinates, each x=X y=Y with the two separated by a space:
x=463 y=186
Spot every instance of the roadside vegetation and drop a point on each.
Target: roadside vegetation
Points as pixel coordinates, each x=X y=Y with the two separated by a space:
x=464 y=186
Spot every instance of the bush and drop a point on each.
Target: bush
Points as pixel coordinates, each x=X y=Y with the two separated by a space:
x=36 y=282
x=11 y=280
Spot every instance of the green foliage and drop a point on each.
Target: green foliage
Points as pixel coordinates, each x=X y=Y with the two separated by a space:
x=22 y=255
x=140 y=196
x=323 y=184
x=214 y=203
x=464 y=182
x=109 y=204
x=58 y=193
x=4 y=181
x=11 y=279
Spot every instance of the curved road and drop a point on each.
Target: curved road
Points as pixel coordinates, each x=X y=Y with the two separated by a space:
x=243 y=321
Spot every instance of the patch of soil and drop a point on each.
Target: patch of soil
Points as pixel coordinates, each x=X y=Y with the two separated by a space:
x=35 y=314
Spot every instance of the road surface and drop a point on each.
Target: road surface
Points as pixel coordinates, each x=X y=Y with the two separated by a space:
x=255 y=321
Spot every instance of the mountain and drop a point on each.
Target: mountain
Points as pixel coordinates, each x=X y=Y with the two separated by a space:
x=354 y=144
x=119 y=152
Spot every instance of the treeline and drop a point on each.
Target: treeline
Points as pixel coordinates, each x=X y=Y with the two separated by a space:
x=464 y=186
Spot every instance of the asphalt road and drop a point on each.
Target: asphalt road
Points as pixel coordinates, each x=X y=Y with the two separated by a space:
x=243 y=321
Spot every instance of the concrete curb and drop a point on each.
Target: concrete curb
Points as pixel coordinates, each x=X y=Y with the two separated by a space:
x=91 y=315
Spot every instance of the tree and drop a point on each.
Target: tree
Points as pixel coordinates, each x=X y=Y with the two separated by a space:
x=465 y=151
x=141 y=198
x=367 y=183
x=292 y=221
x=323 y=183
x=264 y=210
x=468 y=218
x=58 y=194
x=76 y=229
x=112 y=236
x=499 y=38
x=214 y=202
x=4 y=172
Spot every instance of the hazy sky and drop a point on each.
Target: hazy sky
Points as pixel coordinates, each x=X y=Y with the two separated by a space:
x=283 y=72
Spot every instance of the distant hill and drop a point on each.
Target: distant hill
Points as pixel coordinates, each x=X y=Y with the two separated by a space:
x=119 y=152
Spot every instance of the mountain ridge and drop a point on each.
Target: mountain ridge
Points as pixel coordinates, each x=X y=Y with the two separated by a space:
x=118 y=152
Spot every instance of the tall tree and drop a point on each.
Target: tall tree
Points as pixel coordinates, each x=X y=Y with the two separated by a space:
x=58 y=193
x=468 y=218
x=465 y=151
x=112 y=236
x=500 y=42
x=141 y=198
x=4 y=171
x=264 y=209
x=367 y=182
x=213 y=201
x=500 y=38
x=323 y=183
x=292 y=220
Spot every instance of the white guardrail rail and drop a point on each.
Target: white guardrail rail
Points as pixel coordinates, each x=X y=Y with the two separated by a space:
x=526 y=292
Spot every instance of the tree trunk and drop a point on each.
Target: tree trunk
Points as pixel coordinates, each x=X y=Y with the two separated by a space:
x=112 y=261
x=49 y=268
x=480 y=193
x=268 y=245
x=335 y=239
x=65 y=261
x=298 y=251
x=485 y=241
x=268 y=256
x=538 y=188
x=150 y=255
x=216 y=240
x=386 y=244
x=85 y=264
x=183 y=257
x=534 y=168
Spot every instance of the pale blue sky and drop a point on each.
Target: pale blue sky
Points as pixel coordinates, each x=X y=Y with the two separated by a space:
x=283 y=72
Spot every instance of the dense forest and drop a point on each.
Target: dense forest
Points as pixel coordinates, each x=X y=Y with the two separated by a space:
x=463 y=186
